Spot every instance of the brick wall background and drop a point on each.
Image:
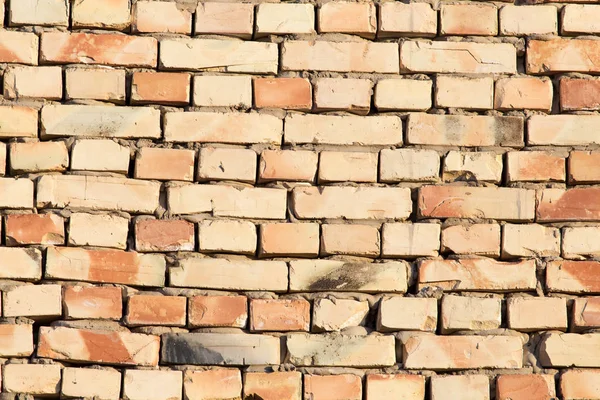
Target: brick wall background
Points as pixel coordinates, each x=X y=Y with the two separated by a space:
x=300 y=201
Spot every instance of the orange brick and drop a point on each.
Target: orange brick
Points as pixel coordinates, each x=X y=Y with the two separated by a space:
x=469 y=19
x=577 y=204
x=348 y=17
x=584 y=167
x=156 y=310
x=523 y=93
x=279 y=315
x=549 y=56
x=579 y=94
x=358 y=240
x=575 y=384
x=16 y=340
x=286 y=93
x=164 y=164
x=230 y=19
x=289 y=239
x=525 y=387
x=92 y=302
x=212 y=384
x=157 y=16
x=95 y=84
x=23 y=229
x=288 y=165
x=168 y=88
x=19 y=47
x=215 y=311
x=273 y=385
x=586 y=313
x=332 y=387
x=164 y=235
x=535 y=166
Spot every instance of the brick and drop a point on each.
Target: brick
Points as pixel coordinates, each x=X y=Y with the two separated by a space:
x=100 y=155
x=580 y=19
x=572 y=277
x=152 y=385
x=400 y=165
x=333 y=387
x=115 y=14
x=16 y=193
x=164 y=235
x=562 y=130
x=221 y=55
x=230 y=274
x=38 y=12
x=530 y=241
x=223 y=91
x=476 y=239
x=38 y=302
x=559 y=349
x=16 y=340
x=351 y=202
x=583 y=167
x=227 y=164
x=169 y=88
x=24 y=229
x=465 y=130
x=97 y=193
x=164 y=164
x=410 y=240
x=102 y=384
x=33 y=379
x=288 y=165
x=19 y=47
x=104 y=121
x=337 y=94
x=38 y=157
x=442 y=353
x=88 y=346
x=336 y=314
x=284 y=19
x=403 y=94
x=470 y=313
x=160 y=17
x=92 y=302
x=337 y=350
x=220 y=349
x=525 y=387
x=478 y=274
x=452 y=387
x=106 y=266
x=407 y=313
x=412 y=19
x=382 y=386
x=457 y=57
x=18 y=121
x=469 y=19
x=212 y=384
x=562 y=55
x=98 y=230
x=586 y=313
x=227 y=236
x=337 y=166
x=342 y=276
x=523 y=93
x=33 y=82
x=477 y=202
x=379 y=130
x=464 y=165
x=347 y=17
x=535 y=166
x=579 y=384
x=289 y=240
x=3 y=159
x=212 y=127
x=339 y=56
x=464 y=92
x=528 y=20
x=95 y=84
x=156 y=310
x=579 y=242
x=579 y=94
x=578 y=204
x=285 y=93
x=358 y=240
x=228 y=201
x=101 y=49
x=279 y=315
x=537 y=313
x=20 y=264
x=218 y=311
x=229 y=19
x=273 y=385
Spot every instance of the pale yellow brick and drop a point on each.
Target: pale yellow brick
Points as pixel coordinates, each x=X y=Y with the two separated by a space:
x=464 y=92
x=337 y=166
x=98 y=230
x=230 y=19
x=466 y=387
x=337 y=314
x=114 y=14
x=461 y=313
x=523 y=93
x=161 y=16
x=227 y=164
x=580 y=19
x=409 y=165
x=479 y=239
x=285 y=19
x=528 y=20
x=530 y=241
x=537 y=313
x=18 y=121
x=152 y=385
x=580 y=242
x=384 y=386
x=463 y=165
x=403 y=94
x=16 y=193
x=38 y=157
x=338 y=94
x=21 y=82
x=95 y=84
x=407 y=19
x=410 y=240
x=407 y=313
x=469 y=19
x=227 y=236
x=39 y=302
x=104 y=384
x=223 y=91
x=20 y=47
x=359 y=240
x=38 y=12
x=33 y=379
x=100 y=155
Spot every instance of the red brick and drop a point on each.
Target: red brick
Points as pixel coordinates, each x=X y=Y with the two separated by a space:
x=164 y=235
x=156 y=310
x=535 y=166
x=164 y=164
x=92 y=302
x=332 y=387
x=286 y=93
x=273 y=385
x=579 y=94
x=279 y=315
x=525 y=387
x=168 y=88
x=212 y=384
x=584 y=167
x=578 y=204
x=289 y=239
x=22 y=229
x=218 y=311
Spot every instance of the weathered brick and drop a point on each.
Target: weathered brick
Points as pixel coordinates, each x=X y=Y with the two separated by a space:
x=465 y=130
x=288 y=165
x=336 y=314
x=23 y=229
x=535 y=166
x=410 y=19
x=285 y=93
x=452 y=387
x=470 y=313
x=347 y=17
x=100 y=155
x=164 y=164
x=457 y=57
x=38 y=302
x=95 y=84
x=586 y=313
x=580 y=19
x=16 y=193
x=227 y=236
x=333 y=387
x=483 y=166
x=156 y=310
x=341 y=276
x=469 y=19
x=18 y=121
x=410 y=240
x=569 y=350
x=339 y=56
x=38 y=12
x=532 y=240
x=227 y=164
x=16 y=340
x=537 y=313
x=107 y=266
x=578 y=204
x=407 y=313
x=92 y=302
x=579 y=94
x=33 y=82
x=476 y=239
x=562 y=55
x=289 y=240
x=20 y=264
x=563 y=130
x=32 y=379
x=523 y=93
x=359 y=240
x=160 y=17
x=102 y=49
x=572 y=276
x=19 y=47
x=579 y=384
x=90 y=382
x=337 y=94
x=229 y=19
x=164 y=235
x=223 y=91
x=400 y=165
x=478 y=274
x=88 y=346
x=284 y=19
x=98 y=230
x=223 y=55
x=273 y=385
x=114 y=14
x=155 y=385
x=579 y=242
x=170 y=88
x=528 y=20
x=279 y=315
x=216 y=311
x=584 y=167
x=525 y=387
x=403 y=94
x=38 y=157
x=337 y=166
x=382 y=386
x=97 y=193
x=216 y=273
x=464 y=92
x=212 y=384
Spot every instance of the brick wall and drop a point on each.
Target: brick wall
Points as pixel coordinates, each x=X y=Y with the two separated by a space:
x=279 y=200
